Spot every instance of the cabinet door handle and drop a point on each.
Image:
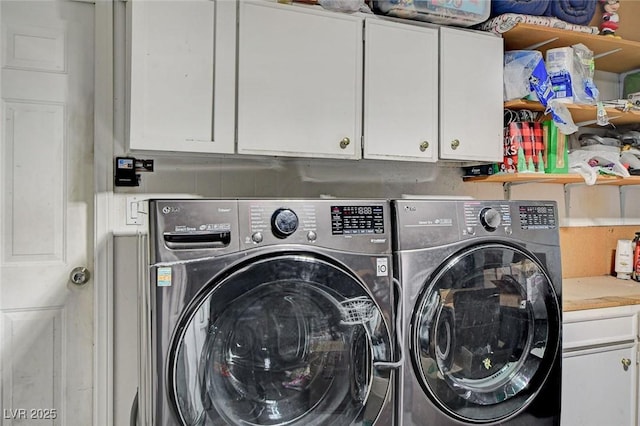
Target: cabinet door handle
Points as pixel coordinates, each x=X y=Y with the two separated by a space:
x=344 y=143
x=455 y=144
x=423 y=146
x=626 y=362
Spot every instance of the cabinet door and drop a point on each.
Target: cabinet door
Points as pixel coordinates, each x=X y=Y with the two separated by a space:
x=597 y=389
x=471 y=105
x=401 y=91
x=175 y=70
x=299 y=81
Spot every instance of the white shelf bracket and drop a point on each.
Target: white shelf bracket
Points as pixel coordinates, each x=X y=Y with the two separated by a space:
x=600 y=55
x=542 y=43
x=590 y=122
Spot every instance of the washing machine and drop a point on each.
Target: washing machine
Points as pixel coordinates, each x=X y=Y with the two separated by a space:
x=482 y=321
x=268 y=312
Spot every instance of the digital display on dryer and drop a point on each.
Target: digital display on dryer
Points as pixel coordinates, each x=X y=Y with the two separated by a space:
x=537 y=217
x=352 y=220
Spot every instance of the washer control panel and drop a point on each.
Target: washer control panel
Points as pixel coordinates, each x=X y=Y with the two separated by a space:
x=352 y=225
x=350 y=220
x=490 y=217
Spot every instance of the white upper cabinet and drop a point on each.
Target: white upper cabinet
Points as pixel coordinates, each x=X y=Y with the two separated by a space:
x=471 y=105
x=182 y=75
x=400 y=91
x=299 y=81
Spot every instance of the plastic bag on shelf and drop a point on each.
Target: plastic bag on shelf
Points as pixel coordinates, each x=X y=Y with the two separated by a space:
x=585 y=90
x=518 y=67
x=591 y=163
x=525 y=72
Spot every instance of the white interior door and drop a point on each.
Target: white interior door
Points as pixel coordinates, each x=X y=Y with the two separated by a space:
x=46 y=212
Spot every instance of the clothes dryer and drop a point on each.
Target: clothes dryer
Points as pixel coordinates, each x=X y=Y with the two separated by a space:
x=264 y=312
x=481 y=284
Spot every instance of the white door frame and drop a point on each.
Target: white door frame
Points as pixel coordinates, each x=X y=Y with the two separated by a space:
x=103 y=240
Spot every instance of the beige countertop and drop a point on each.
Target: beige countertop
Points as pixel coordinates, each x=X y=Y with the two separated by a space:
x=598 y=292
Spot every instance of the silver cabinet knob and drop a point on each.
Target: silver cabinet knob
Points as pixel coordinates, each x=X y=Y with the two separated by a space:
x=423 y=146
x=345 y=142
x=79 y=275
x=626 y=362
x=455 y=144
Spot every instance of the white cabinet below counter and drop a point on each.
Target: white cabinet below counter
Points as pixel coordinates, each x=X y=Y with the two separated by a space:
x=599 y=367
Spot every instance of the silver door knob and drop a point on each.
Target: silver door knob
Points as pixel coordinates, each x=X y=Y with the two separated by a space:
x=423 y=146
x=455 y=144
x=344 y=143
x=79 y=275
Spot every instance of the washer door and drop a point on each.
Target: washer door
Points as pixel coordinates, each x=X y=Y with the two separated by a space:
x=485 y=333
x=283 y=340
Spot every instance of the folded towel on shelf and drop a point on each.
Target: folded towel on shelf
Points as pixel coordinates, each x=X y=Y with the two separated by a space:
x=505 y=22
x=579 y=12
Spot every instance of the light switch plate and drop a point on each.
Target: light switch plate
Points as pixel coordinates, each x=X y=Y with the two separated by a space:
x=134 y=216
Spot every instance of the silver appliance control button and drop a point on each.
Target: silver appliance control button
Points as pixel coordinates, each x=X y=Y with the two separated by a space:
x=508 y=230
x=257 y=237
x=471 y=230
x=311 y=236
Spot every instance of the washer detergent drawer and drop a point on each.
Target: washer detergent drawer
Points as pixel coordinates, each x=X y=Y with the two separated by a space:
x=597 y=327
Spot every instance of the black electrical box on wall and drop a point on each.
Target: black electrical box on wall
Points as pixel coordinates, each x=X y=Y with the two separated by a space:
x=125 y=172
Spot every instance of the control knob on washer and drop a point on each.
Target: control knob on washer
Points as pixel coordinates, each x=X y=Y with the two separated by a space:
x=284 y=222
x=490 y=218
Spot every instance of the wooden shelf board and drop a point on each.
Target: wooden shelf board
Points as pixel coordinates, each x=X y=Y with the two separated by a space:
x=551 y=178
x=625 y=56
x=581 y=113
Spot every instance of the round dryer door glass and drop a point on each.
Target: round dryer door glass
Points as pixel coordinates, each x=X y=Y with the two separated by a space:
x=484 y=333
x=287 y=340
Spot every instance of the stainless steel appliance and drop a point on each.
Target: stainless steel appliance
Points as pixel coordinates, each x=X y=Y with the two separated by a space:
x=482 y=320
x=265 y=312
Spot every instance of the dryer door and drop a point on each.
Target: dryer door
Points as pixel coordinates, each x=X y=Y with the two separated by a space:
x=485 y=332
x=289 y=339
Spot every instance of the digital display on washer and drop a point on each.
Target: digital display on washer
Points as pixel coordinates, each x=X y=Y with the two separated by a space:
x=351 y=220
x=537 y=217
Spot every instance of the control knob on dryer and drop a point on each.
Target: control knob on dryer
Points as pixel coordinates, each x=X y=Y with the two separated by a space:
x=490 y=218
x=284 y=222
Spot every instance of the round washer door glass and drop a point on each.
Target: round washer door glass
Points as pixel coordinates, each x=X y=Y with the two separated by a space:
x=485 y=332
x=285 y=340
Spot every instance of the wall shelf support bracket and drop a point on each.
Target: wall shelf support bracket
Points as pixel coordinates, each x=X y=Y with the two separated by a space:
x=542 y=43
x=567 y=196
x=600 y=55
x=623 y=197
x=506 y=190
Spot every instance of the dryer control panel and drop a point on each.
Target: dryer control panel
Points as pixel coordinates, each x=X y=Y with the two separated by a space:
x=537 y=216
